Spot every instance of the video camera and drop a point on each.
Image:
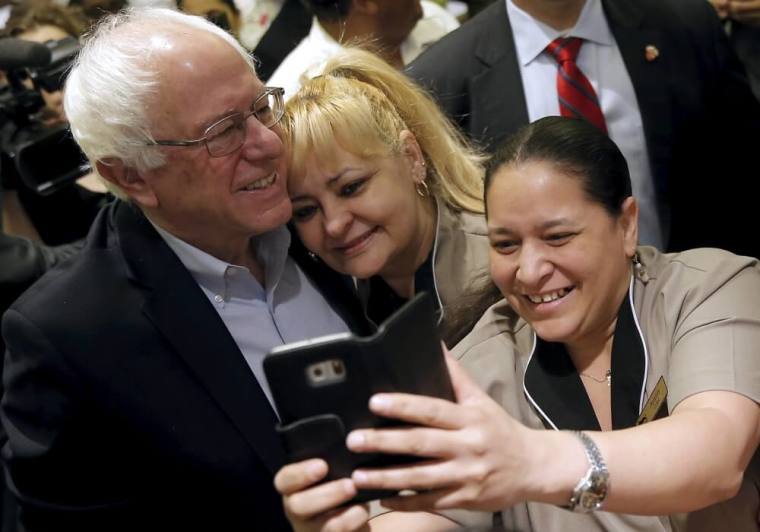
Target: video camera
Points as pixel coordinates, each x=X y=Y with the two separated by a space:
x=45 y=158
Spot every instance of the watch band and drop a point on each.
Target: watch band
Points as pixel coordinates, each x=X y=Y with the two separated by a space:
x=591 y=491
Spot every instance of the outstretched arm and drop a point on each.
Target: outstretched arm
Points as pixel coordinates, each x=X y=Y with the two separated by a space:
x=482 y=459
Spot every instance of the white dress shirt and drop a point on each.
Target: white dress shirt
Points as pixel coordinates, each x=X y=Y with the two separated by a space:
x=318 y=46
x=287 y=309
x=600 y=61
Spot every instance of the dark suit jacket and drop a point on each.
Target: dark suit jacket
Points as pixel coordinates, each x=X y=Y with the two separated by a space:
x=288 y=28
x=127 y=404
x=701 y=122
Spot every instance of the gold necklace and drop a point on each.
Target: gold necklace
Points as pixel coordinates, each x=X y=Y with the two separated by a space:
x=607 y=377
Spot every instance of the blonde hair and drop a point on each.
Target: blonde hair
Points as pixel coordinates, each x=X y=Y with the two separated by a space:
x=364 y=104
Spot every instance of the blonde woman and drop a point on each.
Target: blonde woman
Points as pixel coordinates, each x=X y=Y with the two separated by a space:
x=383 y=187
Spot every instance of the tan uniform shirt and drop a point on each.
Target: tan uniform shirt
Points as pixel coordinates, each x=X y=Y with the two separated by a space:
x=699 y=315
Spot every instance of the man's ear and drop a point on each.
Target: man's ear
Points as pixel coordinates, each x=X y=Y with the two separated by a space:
x=629 y=222
x=411 y=151
x=128 y=180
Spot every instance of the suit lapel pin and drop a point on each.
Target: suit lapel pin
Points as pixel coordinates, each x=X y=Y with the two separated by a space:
x=651 y=52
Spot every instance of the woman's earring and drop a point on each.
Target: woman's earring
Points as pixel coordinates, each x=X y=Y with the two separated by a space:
x=638 y=268
x=422 y=189
x=636 y=262
x=312 y=256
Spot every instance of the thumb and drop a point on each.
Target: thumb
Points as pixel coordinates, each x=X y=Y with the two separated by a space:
x=464 y=386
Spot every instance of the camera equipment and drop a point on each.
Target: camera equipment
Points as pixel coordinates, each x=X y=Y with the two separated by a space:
x=45 y=158
x=17 y=53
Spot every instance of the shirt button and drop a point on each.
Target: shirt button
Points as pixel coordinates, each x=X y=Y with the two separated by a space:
x=218 y=298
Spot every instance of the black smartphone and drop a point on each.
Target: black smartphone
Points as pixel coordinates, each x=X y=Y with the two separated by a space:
x=321 y=387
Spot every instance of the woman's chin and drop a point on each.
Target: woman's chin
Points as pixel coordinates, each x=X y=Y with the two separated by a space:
x=552 y=332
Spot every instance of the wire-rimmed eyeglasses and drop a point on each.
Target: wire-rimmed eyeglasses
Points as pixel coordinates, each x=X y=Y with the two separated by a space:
x=228 y=134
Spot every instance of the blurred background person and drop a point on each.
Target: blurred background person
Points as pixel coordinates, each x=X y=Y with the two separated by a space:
x=658 y=75
x=397 y=30
x=742 y=21
x=223 y=13
x=383 y=187
x=271 y=29
x=42 y=201
x=95 y=9
x=42 y=21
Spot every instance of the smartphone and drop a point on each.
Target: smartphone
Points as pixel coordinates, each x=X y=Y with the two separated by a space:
x=321 y=387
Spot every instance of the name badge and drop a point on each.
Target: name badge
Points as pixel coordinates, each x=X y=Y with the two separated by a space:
x=657 y=404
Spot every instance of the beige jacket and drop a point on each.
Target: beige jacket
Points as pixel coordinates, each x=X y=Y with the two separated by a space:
x=460 y=255
x=698 y=313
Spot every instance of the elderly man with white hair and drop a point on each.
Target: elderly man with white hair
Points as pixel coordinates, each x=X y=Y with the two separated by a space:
x=134 y=395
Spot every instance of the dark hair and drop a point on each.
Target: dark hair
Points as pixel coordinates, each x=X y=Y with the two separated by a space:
x=228 y=3
x=330 y=10
x=29 y=14
x=97 y=9
x=576 y=147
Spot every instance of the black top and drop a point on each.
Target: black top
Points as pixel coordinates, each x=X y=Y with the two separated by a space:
x=380 y=301
x=554 y=386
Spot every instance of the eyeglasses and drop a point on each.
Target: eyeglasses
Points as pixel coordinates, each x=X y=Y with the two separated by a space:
x=228 y=134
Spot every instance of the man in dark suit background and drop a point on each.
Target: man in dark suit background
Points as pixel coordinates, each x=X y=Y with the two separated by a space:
x=675 y=99
x=134 y=393
x=291 y=24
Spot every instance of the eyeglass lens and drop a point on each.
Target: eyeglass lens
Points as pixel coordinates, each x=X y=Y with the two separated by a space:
x=228 y=135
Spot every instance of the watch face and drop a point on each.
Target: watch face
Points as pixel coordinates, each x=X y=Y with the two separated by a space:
x=590 y=501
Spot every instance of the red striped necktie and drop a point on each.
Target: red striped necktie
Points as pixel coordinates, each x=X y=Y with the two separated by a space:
x=577 y=98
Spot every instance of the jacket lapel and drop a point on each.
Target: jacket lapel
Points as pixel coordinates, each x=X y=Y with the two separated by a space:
x=288 y=28
x=499 y=107
x=651 y=82
x=180 y=311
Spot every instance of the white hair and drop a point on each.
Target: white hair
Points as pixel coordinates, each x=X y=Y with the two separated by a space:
x=113 y=78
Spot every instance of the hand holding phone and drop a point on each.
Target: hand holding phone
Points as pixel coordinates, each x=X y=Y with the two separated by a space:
x=321 y=387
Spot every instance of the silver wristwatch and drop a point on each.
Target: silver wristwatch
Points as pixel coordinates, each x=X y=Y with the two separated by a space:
x=592 y=489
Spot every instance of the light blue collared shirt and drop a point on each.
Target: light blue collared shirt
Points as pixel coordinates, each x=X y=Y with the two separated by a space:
x=288 y=308
x=601 y=62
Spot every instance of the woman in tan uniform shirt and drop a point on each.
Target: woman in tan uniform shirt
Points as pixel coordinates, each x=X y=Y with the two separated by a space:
x=383 y=187
x=644 y=367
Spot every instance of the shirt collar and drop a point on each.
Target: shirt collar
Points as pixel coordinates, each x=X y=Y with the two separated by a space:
x=551 y=382
x=532 y=36
x=209 y=271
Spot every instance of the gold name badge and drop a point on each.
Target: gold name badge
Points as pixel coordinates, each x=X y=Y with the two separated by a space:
x=654 y=404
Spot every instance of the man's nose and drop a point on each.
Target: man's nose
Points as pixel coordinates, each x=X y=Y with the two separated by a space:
x=261 y=142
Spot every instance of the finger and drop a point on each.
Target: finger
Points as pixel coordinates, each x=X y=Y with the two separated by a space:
x=417 y=409
x=440 y=499
x=297 y=476
x=746 y=7
x=319 y=499
x=464 y=386
x=422 y=442
x=749 y=19
x=350 y=519
x=418 y=476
